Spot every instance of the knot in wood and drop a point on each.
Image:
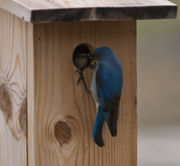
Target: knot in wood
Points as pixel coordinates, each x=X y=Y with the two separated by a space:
x=5 y=102
x=23 y=117
x=62 y=133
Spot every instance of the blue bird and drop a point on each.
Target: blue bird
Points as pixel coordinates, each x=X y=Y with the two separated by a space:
x=106 y=89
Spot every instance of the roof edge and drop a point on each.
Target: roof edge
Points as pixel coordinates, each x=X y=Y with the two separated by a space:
x=104 y=13
x=114 y=13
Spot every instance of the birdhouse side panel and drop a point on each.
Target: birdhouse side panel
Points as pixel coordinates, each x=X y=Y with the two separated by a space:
x=15 y=46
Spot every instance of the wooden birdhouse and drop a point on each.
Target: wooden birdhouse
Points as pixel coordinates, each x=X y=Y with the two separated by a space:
x=45 y=118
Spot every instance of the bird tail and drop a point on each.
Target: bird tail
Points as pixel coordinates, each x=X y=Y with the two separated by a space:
x=111 y=118
x=98 y=126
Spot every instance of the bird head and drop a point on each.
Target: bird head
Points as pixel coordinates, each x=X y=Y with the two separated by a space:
x=101 y=53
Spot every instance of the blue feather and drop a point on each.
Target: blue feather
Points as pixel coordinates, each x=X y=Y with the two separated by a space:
x=107 y=88
x=98 y=126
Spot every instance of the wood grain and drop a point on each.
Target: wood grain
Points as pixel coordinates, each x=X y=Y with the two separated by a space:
x=14 y=48
x=52 y=4
x=60 y=114
x=37 y=11
x=16 y=9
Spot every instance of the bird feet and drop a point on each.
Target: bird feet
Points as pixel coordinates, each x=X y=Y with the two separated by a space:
x=83 y=79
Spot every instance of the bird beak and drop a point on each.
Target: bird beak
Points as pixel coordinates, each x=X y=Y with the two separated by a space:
x=93 y=56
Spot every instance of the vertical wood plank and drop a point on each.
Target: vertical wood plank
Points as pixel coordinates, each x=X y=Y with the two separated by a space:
x=14 y=48
x=61 y=114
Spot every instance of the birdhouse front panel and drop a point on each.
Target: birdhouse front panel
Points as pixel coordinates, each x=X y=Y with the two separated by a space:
x=64 y=114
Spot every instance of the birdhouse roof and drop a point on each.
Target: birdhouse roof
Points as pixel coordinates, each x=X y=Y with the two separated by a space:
x=37 y=11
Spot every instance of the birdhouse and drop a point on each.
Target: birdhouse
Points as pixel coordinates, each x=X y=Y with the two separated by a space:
x=46 y=119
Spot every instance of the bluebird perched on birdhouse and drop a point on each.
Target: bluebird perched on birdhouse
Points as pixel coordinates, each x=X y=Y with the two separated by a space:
x=106 y=90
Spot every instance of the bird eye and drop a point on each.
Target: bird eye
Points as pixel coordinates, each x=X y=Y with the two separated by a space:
x=89 y=54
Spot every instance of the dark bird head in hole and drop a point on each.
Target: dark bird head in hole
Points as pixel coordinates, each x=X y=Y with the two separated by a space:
x=81 y=57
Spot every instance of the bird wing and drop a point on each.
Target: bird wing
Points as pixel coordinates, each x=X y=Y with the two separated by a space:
x=109 y=86
x=108 y=82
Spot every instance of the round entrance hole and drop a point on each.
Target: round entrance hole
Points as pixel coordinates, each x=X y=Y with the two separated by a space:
x=80 y=56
